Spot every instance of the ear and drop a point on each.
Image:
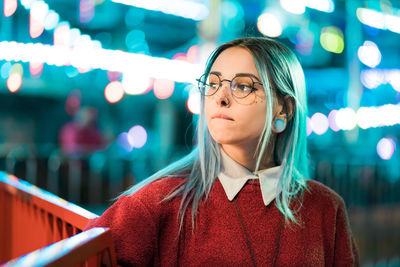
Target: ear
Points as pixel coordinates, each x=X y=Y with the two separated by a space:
x=285 y=108
x=289 y=106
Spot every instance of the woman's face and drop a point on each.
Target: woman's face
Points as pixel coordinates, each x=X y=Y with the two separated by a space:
x=233 y=121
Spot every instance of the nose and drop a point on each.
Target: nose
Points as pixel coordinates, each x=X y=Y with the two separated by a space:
x=223 y=96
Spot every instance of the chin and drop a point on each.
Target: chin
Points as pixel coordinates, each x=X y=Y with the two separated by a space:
x=224 y=138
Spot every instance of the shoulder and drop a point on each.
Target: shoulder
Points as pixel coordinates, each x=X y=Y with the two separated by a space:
x=162 y=185
x=160 y=188
x=318 y=194
x=319 y=205
x=145 y=203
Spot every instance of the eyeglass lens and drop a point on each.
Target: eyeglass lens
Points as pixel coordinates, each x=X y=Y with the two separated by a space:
x=241 y=86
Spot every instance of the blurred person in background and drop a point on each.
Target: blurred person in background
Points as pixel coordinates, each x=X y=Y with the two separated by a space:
x=82 y=135
x=243 y=195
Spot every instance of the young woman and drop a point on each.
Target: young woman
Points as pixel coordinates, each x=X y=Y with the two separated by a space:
x=242 y=197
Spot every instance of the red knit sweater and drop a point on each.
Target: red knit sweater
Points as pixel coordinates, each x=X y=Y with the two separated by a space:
x=145 y=230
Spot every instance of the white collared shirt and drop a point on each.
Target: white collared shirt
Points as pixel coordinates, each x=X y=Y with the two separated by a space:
x=234 y=176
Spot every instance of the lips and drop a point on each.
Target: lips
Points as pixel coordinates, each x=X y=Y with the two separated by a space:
x=222 y=116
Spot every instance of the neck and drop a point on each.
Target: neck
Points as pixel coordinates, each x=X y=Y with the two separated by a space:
x=244 y=155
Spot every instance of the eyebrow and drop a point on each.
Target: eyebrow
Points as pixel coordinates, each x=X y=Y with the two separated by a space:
x=237 y=74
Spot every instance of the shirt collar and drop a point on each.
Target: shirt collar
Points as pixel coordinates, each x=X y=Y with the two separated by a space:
x=234 y=176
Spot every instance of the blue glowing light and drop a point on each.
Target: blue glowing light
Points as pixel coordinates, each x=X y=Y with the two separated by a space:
x=123 y=143
x=6 y=70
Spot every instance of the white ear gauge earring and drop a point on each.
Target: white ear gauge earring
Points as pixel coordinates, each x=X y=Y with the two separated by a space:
x=279 y=125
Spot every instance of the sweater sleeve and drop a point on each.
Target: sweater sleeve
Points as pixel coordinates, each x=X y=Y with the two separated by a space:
x=133 y=228
x=346 y=251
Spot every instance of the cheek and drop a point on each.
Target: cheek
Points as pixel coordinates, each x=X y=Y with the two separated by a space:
x=253 y=124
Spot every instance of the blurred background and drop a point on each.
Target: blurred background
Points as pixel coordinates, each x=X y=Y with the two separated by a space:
x=96 y=95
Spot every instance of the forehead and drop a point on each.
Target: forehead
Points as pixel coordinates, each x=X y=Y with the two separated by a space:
x=234 y=60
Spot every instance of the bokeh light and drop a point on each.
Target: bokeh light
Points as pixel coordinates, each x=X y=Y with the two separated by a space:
x=346 y=119
x=38 y=13
x=308 y=124
x=371 y=78
x=135 y=83
x=269 y=25
x=192 y=54
x=137 y=136
x=92 y=56
x=163 y=89
x=114 y=76
x=61 y=35
x=36 y=69
x=379 y=20
x=122 y=141
x=114 y=92
x=231 y=9
x=385 y=148
x=51 y=20
x=321 y=5
x=135 y=39
x=193 y=102
x=369 y=54
x=76 y=39
x=86 y=10
x=374 y=117
x=386 y=115
x=304 y=41
x=393 y=23
x=371 y=18
x=332 y=121
x=389 y=114
x=319 y=123
x=332 y=39
x=9 y=7
x=180 y=56
x=14 y=82
x=293 y=6
x=134 y=17
x=363 y=116
x=299 y=6
x=17 y=68
x=393 y=77
x=5 y=70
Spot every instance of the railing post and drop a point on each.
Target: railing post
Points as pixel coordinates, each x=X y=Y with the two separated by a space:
x=74 y=180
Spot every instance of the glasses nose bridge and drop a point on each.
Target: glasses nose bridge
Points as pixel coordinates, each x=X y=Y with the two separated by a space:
x=226 y=80
x=222 y=91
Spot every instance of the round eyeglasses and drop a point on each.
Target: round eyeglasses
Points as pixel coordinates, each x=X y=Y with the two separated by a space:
x=241 y=85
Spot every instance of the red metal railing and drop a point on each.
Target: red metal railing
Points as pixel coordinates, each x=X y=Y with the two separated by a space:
x=31 y=218
x=90 y=248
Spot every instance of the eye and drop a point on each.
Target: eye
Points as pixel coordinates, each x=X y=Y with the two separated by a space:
x=242 y=84
x=242 y=87
x=213 y=82
x=213 y=85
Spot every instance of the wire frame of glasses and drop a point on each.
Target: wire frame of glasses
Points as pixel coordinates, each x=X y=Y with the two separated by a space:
x=241 y=85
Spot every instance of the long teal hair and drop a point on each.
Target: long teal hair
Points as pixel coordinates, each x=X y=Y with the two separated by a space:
x=281 y=75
